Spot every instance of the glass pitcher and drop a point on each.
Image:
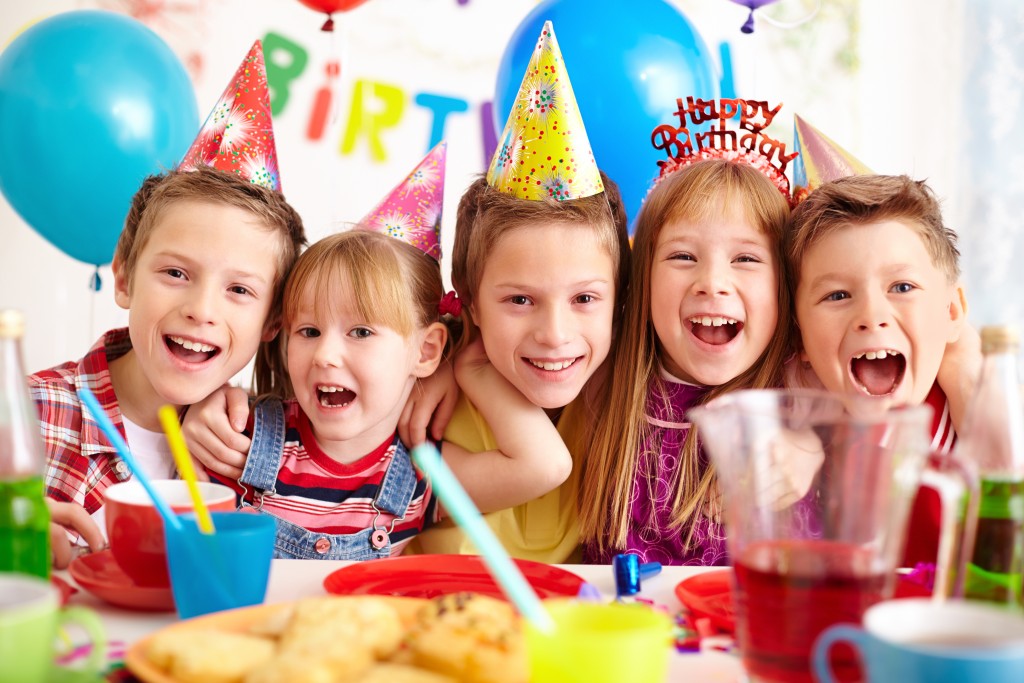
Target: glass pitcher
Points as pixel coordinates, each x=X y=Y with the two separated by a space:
x=817 y=492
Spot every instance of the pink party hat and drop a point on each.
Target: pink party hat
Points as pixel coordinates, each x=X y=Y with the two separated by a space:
x=821 y=160
x=238 y=135
x=412 y=209
x=544 y=150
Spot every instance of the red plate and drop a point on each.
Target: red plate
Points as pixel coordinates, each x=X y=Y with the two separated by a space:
x=709 y=595
x=99 y=574
x=427 y=576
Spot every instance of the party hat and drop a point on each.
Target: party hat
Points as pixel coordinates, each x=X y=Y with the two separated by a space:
x=821 y=160
x=544 y=150
x=238 y=135
x=412 y=209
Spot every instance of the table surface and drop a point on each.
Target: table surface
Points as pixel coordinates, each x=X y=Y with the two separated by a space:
x=295 y=579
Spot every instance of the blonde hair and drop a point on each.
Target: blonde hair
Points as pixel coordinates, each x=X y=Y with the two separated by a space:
x=862 y=199
x=391 y=283
x=699 y=192
x=486 y=215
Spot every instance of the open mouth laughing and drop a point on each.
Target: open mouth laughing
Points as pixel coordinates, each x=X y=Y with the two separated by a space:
x=878 y=372
x=715 y=330
x=331 y=396
x=190 y=350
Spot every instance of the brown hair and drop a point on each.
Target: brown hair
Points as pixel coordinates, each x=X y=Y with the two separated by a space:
x=485 y=215
x=391 y=282
x=699 y=192
x=862 y=199
x=206 y=184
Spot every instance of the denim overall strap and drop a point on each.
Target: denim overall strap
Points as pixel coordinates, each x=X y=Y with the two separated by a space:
x=396 y=492
x=399 y=485
x=267 y=447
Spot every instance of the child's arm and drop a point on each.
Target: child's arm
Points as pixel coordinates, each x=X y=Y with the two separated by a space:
x=213 y=431
x=431 y=404
x=532 y=459
x=65 y=517
x=961 y=365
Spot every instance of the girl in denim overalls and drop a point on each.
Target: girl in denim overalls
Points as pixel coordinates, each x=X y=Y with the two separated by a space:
x=362 y=321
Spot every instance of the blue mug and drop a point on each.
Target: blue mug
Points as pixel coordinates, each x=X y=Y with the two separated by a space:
x=918 y=640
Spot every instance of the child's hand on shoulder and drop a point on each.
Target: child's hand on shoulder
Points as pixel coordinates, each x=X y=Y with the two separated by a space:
x=482 y=382
x=430 y=406
x=213 y=431
x=959 y=371
x=796 y=459
x=65 y=517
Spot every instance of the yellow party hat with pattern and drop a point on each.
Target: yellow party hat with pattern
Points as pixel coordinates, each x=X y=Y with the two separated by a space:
x=544 y=151
x=821 y=160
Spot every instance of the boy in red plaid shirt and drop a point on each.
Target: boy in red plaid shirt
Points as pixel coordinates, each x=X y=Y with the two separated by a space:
x=200 y=266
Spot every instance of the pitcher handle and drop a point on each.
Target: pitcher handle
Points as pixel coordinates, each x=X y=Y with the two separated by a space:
x=954 y=481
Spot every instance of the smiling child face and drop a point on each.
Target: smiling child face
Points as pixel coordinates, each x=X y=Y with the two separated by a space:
x=875 y=312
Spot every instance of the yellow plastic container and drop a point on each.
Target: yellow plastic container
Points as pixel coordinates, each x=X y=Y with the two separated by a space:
x=600 y=643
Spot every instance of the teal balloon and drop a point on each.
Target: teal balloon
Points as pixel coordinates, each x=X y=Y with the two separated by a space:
x=628 y=62
x=91 y=103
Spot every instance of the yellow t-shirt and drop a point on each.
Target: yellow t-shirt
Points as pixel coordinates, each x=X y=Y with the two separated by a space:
x=545 y=529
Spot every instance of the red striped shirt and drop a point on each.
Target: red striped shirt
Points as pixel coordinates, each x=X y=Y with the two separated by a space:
x=325 y=496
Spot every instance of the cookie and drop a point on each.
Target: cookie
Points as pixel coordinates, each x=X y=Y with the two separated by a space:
x=472 y=638
x=209 y=656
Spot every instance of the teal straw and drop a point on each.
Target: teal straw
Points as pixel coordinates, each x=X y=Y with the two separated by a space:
x=460 y=507
x=110 y=430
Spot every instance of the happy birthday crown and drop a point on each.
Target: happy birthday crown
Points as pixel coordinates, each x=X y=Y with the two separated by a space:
x=238 y=135
x=749 y=144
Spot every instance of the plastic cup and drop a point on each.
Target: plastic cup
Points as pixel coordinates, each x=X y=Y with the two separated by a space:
x=600 y=643
x=223 y=570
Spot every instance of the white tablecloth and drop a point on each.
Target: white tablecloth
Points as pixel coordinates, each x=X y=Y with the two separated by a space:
x=294 y=579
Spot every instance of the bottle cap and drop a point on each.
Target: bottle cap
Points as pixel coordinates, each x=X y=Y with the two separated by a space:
x=12 y=323
x=996 y=338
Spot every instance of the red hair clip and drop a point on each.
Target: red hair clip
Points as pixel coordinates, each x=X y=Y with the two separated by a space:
x=450 y=304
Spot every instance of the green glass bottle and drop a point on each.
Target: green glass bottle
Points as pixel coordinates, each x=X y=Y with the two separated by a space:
x=24 y=516
x=993 y=439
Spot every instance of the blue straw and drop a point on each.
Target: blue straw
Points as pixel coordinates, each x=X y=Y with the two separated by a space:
x=460 y=507
x=110 y=430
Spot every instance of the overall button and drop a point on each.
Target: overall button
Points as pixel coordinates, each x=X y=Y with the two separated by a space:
x=121 y=467
x=322 y=545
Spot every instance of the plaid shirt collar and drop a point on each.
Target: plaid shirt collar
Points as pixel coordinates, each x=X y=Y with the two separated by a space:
x=93 y=371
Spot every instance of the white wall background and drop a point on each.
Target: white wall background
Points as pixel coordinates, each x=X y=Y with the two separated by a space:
x=883 y=78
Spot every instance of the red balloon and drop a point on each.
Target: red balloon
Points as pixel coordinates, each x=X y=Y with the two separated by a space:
x=330 y=6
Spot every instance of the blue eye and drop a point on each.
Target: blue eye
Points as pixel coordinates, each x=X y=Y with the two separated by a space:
x=837 y=296
x=902 y=288
x=308 y=332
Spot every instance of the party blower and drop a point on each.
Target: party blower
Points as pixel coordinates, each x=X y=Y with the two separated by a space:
x=571 y=641
x=201 y=573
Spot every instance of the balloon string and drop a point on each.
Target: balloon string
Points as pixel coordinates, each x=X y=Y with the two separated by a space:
x=792 y=24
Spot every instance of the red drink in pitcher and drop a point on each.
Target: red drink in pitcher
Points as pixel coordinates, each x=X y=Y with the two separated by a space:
x=791 y=591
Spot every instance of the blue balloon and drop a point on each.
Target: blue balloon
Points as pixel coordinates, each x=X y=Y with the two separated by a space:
x=90 y=104
x=628 y=62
